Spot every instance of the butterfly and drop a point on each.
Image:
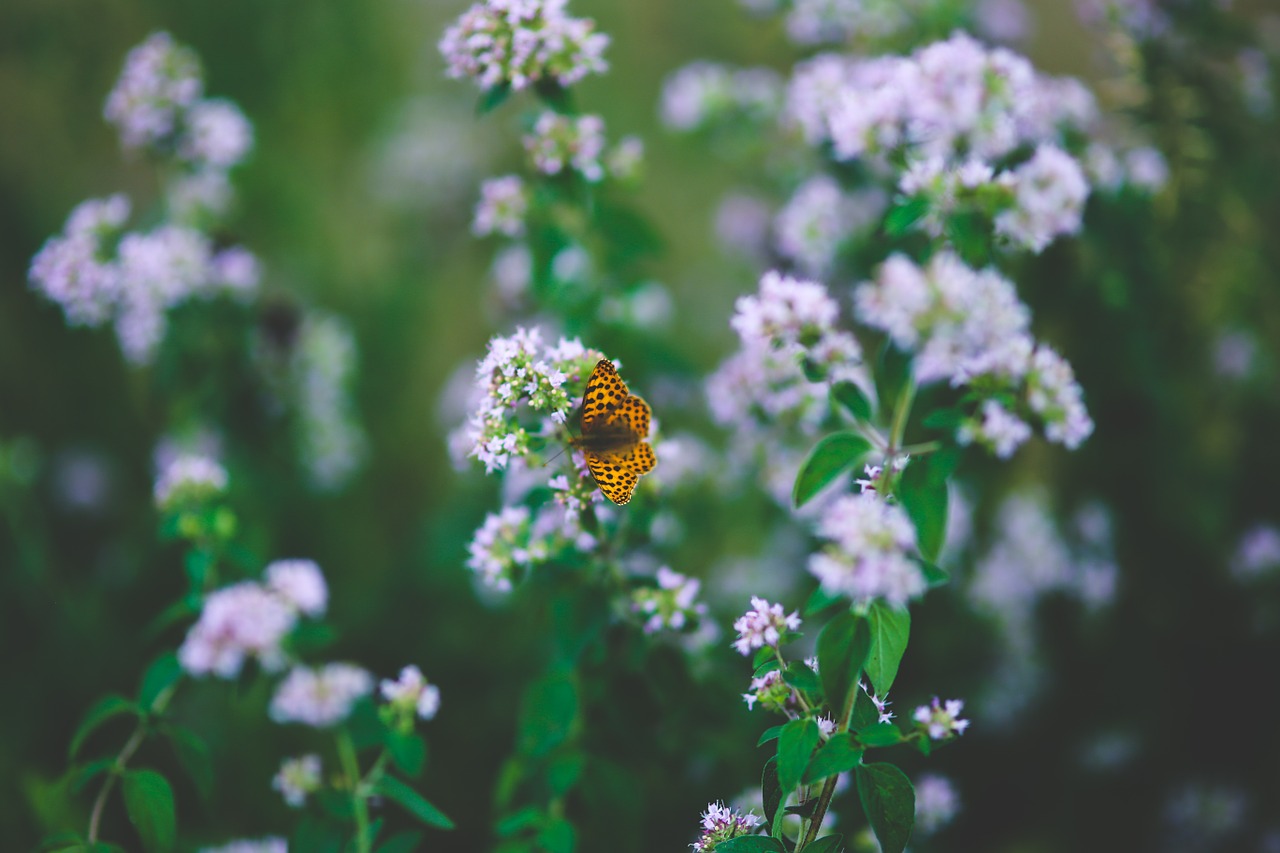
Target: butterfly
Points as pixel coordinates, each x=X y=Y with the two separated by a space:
x=615 y=425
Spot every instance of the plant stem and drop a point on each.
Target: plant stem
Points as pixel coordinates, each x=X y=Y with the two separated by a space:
x=126 y=752
x=351 y=768
x=117 y=769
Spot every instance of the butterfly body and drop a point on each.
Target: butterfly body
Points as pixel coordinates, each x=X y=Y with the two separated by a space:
x=615 y=424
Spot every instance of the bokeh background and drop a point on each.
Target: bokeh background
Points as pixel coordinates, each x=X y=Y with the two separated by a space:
x=1150 y=725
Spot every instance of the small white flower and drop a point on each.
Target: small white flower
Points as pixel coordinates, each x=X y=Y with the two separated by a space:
x=297 y=778
x=319 y=697
x=412 y=690
x=189 y=478
x=763 y=625
x=941 y=719
x=237 y=622
x=869 y=552
x=300 y=583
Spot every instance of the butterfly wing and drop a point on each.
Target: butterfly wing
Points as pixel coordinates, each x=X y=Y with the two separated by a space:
x=605 y=396
x=617 y=471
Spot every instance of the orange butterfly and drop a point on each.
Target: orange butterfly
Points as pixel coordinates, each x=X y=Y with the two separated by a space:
x=615 y=425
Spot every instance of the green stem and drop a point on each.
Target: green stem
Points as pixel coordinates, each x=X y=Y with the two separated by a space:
x=896 y=432
x=360 y=805
x=130 y=747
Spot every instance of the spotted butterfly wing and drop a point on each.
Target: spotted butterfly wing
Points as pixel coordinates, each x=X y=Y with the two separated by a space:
x=615 y=425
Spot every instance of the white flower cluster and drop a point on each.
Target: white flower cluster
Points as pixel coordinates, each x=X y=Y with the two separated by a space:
x=503 y=206
x=252 y=620
x=522 y=42
x=1049 y=192
x=513 y=541
x=790 y=322
x=941 y=719
x=560 y=142
x=720 y=823
x=411 y=690
x=811 y=22
x=157 y=105
x=1258 y=552
x=763 y=625
x=673 y=605
x=297 y=778
x=261 y=845
x=969 y=328
x=332 y=443
x=868 y=555
x=189 y=478
x=707 y=93
x=820 y=217
x=100 y=274
x=320 y=697
x=937 y=803
x=521 y=375
x=774 y=694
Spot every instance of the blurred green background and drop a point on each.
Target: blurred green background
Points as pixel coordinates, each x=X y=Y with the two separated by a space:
x=1183 y=665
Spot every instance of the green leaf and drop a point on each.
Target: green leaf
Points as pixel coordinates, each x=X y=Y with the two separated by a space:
x=801 y=677
x=840 y=753
x=830 y=457
x=905 y=215
x=933 y=575
x=317 y=836
x=492 y=98
x=365 y=725
x=764 y=655
x=548 y=713
x=850 y=396
x=769 y=734
x=771 y=793
x=830 y=844
x=162 y=674
x=558 y=837
x=408 y=752
x=149 y=801
x=78 y=777
x=843 y=647
x=795 y=748
x=890 y=629
x=401 y=842
x=563 y=772
x=518 y=821
x=893 y=372
x=889 y=802
x=193 y=754
x=923 y=493
x=865 y=712
x=197 y=564
x=106 y=708
x=396 y=790
x=751 y=844
x=880 y=734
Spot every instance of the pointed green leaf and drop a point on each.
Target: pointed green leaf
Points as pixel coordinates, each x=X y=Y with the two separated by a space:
x=855 y=402
x=801 y=677
x=880 y=734
x=890 y=629
x=563 y=772
x=830 y=457
x=769 y=734
x=771 y=794
x=80 y=776
x=162 y=674
x=889 y=802
x=933 y=575
x=148 y=799
x=905 y=215
x=106 y=708
x=923 y=493
x=396 y=790
x=751 y=844
x=821 y=600
x=840 y=753
x=492 y=98
x=865 y=712
x=893 y=372
x=843 y=647
x=795 y=748
x=947 y=419
x=830 y=844
x=408 y=752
